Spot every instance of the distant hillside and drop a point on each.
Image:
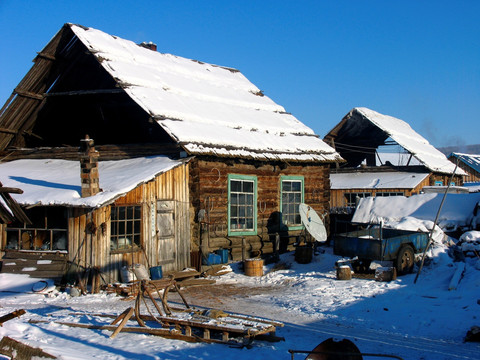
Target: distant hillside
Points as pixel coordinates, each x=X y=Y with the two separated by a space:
x=466 y=149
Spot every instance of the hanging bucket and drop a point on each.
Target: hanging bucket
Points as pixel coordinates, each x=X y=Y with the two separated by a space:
x=156 y=273
x=253 y=267
x=303 y=254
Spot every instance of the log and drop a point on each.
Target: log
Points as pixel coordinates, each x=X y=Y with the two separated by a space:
x=385 y=274
x=12 y=315
x=344 y=272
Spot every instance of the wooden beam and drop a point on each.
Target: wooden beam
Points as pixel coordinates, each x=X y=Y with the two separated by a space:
x=8 y=131
x=46 y=56
x=28 y=94
x=10 y=190
x=87 y=92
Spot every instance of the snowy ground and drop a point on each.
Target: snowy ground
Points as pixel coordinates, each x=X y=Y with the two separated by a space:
x=424 y=320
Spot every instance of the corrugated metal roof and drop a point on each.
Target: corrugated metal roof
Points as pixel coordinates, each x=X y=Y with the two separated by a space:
x=206 y=108
x=472 y=160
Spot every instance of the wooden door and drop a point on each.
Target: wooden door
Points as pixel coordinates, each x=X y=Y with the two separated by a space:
x=165 y=234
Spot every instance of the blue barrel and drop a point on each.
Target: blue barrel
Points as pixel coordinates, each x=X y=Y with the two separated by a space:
x=212 y=259
x=223 y=255
x=156 y=273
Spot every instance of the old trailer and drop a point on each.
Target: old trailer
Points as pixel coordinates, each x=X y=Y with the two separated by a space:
x=378 y=243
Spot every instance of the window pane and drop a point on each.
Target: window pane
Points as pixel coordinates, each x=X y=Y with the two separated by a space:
x=235 y=186
x=287 y=186
x=248 y=187
x=296 y=186
x=138 y=212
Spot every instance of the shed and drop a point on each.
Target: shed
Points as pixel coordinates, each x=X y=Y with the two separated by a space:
x=365 y=139
x=252 y=163
x=133 y=211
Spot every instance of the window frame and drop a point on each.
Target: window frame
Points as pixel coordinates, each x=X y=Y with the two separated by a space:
x=302 y=181
x=389 y=193
x=251 y=178
x=356 y=193
x=43 y=235
x=133 y=246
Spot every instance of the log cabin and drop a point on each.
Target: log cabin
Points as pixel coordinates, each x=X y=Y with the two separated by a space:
x=383 y=156
x=239 y=164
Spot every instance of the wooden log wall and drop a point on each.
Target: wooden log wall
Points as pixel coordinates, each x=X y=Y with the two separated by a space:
x=89 y=231
x=209 y=192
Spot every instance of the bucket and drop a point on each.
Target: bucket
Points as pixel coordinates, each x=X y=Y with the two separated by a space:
x=156 y=272
x=303 y=254
x=253 y=267
x=223 y=255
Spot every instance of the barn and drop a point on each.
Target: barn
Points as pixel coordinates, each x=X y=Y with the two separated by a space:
x=384 y=157
x=239 y=165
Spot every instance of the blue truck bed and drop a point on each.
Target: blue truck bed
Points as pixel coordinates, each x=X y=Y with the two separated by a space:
x=381 y=244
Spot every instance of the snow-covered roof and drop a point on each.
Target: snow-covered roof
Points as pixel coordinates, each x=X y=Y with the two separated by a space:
x=206 y=108
x=356 y=126
x=57 y=182
x=376 y=180
x=472 y=160
x=457 y=209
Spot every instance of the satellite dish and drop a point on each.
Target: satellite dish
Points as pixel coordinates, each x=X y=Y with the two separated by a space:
x=312 y=222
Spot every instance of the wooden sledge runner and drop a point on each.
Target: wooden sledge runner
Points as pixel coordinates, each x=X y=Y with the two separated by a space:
x=187 y=323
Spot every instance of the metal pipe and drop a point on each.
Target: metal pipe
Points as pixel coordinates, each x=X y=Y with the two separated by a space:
x=435 y=223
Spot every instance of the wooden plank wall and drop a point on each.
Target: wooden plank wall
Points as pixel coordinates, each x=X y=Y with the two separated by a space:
x=444 y=178
x=209 y=191
x=89 y=231
x=338 y=199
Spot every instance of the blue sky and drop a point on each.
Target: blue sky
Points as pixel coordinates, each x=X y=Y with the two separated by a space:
x=415 y=60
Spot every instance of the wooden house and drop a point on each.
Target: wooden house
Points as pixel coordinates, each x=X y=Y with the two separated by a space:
x=241 y=164
x=383 y=156
x=470 y=163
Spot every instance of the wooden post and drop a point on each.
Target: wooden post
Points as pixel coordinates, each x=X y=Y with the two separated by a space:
x=244 y=246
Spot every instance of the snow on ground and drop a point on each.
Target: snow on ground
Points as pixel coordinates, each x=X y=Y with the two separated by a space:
x=414 y=321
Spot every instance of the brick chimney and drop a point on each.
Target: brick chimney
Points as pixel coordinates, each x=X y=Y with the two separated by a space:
x=149 y=45
x=89 y=167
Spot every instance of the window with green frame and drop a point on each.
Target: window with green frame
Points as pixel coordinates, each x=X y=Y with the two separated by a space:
x=125 y=227
x=242 y=205
x=292 y=194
